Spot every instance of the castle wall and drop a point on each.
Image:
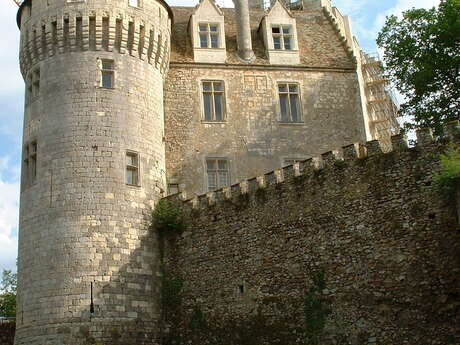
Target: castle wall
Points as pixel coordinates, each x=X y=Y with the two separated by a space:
x=386 y=241
x=252 y=137
x=80 y=222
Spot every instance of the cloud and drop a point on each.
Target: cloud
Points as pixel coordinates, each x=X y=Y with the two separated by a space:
x=11 y=81
x=402 y=6
x=9 y=213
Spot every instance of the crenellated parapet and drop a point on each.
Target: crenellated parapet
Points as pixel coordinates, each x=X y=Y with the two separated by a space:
x=344 y=156
x=342 y=27
x=70 y=29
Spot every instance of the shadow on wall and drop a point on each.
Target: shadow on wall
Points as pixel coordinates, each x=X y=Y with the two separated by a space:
x=7 y=330
x=126 y=309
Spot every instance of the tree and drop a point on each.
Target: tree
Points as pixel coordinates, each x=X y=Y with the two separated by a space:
x=421 y=53
x=8 y=297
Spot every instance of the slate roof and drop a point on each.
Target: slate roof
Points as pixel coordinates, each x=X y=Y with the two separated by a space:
x=319 y=44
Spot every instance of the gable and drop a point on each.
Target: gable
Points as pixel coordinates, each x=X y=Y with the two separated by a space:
x=208 y=8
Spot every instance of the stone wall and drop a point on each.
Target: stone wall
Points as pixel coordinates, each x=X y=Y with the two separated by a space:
x=252 y=138
x=355 y=251
x=81 y=223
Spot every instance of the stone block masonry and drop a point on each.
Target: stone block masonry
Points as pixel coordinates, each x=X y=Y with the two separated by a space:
x=83 y=223
x=371 y=222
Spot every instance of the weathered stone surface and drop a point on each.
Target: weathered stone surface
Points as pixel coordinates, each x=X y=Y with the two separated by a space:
x=80 y=223
x=386 y=241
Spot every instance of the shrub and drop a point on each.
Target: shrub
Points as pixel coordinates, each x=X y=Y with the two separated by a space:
x=447 y=180
x=168 y=217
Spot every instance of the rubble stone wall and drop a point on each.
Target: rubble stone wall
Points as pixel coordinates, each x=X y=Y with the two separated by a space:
x=373 y=224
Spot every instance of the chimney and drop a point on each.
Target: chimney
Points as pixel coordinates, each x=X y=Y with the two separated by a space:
x=243 y=36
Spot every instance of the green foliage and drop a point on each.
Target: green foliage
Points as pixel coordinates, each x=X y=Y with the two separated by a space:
x=171 y=293
x=8 y=287
x=340 y=164
x=316 y=308
x=8 y=304
x=448 y=179
x=197 y=320
x=422 y=60
x=9 y=281
x=168 y=217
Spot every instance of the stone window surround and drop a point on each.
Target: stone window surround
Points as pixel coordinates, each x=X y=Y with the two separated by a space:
x=131 y=3
x=216 y=159
x=224 y=101
x=103 y=70
x=290 y=160
x=30 y=162
x=136 y=168
x=33 y=85
x=299 y=100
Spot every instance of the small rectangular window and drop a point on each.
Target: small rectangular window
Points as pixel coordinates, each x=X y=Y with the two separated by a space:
x=173 y=188
x=289 y=103
x=213 y=101
x=33 y=85
x=218 y=175
x=282 y=37
x=132 y=168
x=107 y=74
x=291 y=161
x=134 y=3
x=209 y=35
x=30 y=162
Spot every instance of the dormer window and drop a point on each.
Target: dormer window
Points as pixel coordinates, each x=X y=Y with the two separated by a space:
x=279 y=30
x=207 y=30
x=282 y=37
x=209 y=35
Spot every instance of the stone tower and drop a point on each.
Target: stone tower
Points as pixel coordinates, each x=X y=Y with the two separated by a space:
x=93 y=167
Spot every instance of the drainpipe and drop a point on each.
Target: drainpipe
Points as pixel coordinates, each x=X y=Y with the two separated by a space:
x=243 y=36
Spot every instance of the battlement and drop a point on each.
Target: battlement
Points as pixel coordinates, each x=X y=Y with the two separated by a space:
x=95 y=30
x=342 y=27
x=347 y=155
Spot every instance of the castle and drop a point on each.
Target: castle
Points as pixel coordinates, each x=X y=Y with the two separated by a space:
x=129 y=100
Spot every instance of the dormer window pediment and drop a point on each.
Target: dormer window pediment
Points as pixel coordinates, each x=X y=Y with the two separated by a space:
x=280 y=36
x=208 y=33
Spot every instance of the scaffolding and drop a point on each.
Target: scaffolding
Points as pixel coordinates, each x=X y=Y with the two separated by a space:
x=382 y=105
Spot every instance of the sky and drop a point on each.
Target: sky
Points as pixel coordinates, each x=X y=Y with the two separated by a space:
x=368 y=16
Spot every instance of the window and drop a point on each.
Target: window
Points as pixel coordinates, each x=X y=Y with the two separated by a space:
x=173 y=188
x=282 y=37
x=209 y=35
x=108 y=74
x=217 y=172
x=132 y=168
x=33 y=84
x=289 y=102
x=30 y=162
x=134 y=3
x=291 y=161
x=213 y=100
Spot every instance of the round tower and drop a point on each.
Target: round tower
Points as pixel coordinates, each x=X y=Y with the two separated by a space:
x=93 y=167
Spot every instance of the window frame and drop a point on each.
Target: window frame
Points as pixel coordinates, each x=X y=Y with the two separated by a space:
x=213 y=92
x=216 y=171
x=131 y=167
x=293 y=159
x=288 y=94
x=139 y=3
x=107 y=71
x=30 y=160
x=33 y=85
x=282 y=35
x=209 y=33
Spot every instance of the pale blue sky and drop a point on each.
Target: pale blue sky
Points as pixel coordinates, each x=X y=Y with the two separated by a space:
x=367 y=16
